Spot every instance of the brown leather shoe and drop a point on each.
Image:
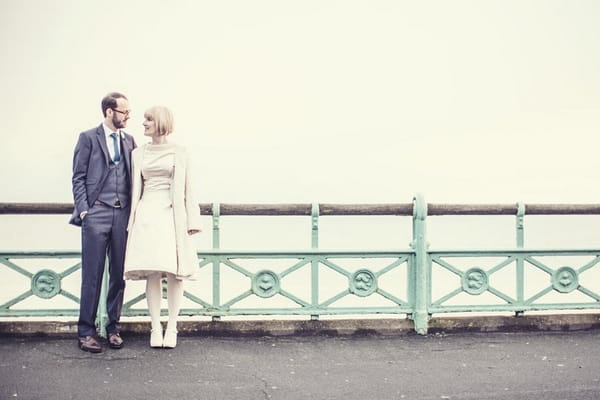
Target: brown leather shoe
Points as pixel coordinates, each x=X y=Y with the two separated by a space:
x=89 y=343
x=115 y=341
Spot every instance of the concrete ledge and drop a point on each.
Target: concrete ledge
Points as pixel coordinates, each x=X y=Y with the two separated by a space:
x=252 y=328
x=334 y=327
x=549 y=322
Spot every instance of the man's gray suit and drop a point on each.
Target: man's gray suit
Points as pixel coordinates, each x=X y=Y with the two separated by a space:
x=102 y=189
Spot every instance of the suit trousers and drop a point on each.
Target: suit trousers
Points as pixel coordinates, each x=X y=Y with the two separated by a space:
x=104 y=234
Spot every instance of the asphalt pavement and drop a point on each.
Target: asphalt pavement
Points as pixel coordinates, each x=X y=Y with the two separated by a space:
x=541 y=365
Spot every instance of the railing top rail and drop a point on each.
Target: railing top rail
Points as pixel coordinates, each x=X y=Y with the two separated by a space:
x=511 y=209
x=340 y=209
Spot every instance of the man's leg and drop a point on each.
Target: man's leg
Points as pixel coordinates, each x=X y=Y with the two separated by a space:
x=94 y=240
x=116 y=287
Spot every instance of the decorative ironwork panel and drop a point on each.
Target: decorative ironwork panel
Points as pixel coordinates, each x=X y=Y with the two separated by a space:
x=476 y=281
x=31 y=288
x=278 y=290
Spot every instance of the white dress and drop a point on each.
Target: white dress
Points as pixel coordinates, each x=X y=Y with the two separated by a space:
x=151 y=245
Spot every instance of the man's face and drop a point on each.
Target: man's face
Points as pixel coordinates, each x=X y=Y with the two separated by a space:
x=120 y=114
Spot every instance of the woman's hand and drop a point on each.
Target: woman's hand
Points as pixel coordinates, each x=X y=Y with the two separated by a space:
x=193 y=231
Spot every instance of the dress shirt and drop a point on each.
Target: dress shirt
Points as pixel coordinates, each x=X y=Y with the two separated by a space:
x=109 y=141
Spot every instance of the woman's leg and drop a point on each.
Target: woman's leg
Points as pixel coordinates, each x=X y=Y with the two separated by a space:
x=174 y=298
x=154 y=298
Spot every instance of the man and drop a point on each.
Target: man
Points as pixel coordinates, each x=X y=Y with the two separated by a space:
x=102 y=194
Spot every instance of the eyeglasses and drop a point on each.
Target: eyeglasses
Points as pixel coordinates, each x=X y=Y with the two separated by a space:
x=126 y=112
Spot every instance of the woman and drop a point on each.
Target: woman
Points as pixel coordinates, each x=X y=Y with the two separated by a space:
x=164 y=216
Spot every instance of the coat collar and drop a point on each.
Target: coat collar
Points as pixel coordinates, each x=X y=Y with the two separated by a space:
x=126 y=145
x=101 y=136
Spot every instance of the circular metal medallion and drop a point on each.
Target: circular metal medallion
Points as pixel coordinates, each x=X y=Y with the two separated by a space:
x=45 y=284
x=265 y=284
x=363 y=283
x=475 y=281
x=565 y=280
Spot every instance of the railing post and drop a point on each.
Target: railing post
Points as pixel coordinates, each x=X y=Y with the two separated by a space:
x=216 y=244
x=315 y=263
x=520 y=244
x=421 y=284
x=520 y=225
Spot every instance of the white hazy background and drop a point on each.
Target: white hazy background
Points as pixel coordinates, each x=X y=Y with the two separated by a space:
x=316 y=101
x=313 y=101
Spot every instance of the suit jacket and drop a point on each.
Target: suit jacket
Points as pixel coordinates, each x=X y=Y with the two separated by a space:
x=186 y=210
x=90 y=167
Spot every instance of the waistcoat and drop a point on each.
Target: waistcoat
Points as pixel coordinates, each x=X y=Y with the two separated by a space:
x=116 y=186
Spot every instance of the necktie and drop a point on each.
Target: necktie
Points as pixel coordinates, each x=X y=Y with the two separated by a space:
x=117 y=156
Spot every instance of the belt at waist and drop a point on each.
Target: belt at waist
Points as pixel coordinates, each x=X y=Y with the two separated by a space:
x=117 y=204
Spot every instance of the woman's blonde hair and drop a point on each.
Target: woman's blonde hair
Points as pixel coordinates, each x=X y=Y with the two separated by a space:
x=163 y=118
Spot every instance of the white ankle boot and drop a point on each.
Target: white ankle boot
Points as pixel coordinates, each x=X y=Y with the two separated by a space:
x=170 y=340
x=156 y=338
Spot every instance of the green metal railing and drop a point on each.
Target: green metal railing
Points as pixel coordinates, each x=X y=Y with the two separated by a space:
x=398 y=281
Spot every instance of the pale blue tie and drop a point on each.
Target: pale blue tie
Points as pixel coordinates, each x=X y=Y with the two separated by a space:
x=117 y=156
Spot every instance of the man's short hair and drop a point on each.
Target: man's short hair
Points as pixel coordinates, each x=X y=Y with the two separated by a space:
x=110 y=101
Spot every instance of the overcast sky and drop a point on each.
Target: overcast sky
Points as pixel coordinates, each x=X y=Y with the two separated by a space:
x=315 y=101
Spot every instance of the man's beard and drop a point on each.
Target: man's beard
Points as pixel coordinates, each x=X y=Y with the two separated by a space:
x=118 y=123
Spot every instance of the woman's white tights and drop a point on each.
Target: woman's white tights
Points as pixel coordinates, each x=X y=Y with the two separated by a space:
x=154 y=297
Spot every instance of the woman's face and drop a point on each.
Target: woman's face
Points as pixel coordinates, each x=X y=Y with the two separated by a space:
x=149 y=126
